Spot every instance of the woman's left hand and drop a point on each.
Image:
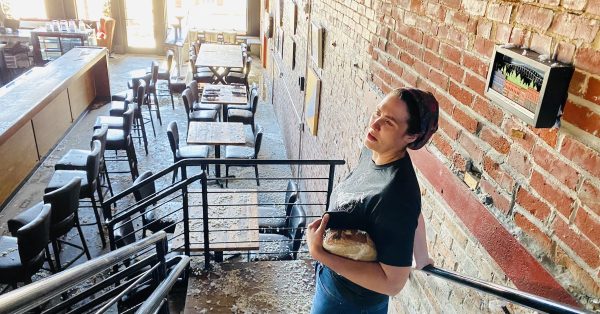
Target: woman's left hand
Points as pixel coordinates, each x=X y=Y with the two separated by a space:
x=314 y=236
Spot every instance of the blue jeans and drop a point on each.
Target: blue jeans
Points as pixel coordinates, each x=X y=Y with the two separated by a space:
x=329 y=299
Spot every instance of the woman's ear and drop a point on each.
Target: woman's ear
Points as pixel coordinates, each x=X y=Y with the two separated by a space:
x=412 y=137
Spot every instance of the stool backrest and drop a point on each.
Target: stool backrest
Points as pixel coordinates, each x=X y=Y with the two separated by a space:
x=188 y=99
x=100 y=135
x=296 y=227
x=153 y=74
x=254 y=102
x=170 y=56
x=193 y=86
x=128 y=116
x=257 y=140
x=33 y=238
x=143 y=190
x=173 y=135
x=92 y=166
x=65 y=203
x=140 y=94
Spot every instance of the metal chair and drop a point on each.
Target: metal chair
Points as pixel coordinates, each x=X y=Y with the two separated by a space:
x=182 y=152
x=24 y=254
x=273 y=219
x=284 y=246
x=245 y=152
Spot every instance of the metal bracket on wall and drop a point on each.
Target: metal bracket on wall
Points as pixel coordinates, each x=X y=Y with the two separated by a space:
x=301 y=82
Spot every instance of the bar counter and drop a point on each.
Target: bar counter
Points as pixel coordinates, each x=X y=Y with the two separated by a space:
x=38 y=107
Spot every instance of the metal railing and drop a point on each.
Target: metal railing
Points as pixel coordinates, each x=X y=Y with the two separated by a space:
x=185 y=210
x=108 y=277
x=522 y=298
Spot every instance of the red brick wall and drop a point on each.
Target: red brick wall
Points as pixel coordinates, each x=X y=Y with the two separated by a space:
x=542 y=185
x=545 y=182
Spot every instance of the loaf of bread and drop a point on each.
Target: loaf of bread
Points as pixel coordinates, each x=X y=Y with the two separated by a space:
x=352 y=244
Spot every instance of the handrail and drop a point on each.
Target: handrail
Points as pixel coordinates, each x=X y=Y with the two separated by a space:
x=39 y=292
x=522 y=298
x=155 y=300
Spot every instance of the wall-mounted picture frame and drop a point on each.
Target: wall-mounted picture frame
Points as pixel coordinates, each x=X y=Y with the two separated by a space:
x=316 y=44
x=312 y=100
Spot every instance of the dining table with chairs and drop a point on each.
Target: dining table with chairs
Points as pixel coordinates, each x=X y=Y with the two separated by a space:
x=220 y=59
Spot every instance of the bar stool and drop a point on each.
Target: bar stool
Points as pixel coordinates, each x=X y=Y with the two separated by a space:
x=166 y=76
x=76 y=159
x=64 y=216
x=199 y=115
x=120 y=139
x=151 y=91
x=89 y=183
x=115 y=120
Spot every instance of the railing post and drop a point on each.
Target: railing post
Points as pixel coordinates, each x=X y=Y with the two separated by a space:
x=111 y=235
x=330 y=184
x=186 y=219
x=205 y=220
x=161 y=251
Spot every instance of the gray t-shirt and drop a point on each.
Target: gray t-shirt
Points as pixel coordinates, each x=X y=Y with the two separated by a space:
x=386 y=201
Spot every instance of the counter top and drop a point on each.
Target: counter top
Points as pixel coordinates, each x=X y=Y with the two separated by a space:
x=25 y=96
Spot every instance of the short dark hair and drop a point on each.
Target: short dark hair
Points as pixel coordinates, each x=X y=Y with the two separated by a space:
x=414 y=117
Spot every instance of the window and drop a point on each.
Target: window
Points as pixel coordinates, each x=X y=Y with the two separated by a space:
x=25 y=9
x=220 y=15
x=92 y=9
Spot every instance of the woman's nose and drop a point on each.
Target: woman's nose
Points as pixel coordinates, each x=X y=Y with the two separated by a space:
x=375 y=123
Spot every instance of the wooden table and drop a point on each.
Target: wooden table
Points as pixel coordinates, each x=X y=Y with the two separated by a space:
x=216 y=133
x=224 y=95
x=258 y=287
x=235 y=235
x=215 y=56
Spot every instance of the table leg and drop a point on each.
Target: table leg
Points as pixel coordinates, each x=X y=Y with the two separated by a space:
x=217 y=156
x=219 y=256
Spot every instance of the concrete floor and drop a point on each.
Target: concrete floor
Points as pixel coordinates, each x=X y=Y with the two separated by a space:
x=159 y=156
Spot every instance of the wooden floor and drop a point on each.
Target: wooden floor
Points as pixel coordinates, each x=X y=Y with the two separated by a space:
x=256 y=287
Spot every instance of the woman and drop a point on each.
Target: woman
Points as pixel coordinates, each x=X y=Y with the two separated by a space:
x=382 y=193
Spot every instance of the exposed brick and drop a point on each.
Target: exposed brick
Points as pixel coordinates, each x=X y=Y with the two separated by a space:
x=588 y=59
x=484 y=28
x=560 y=170
x=536 y=17
x=396 y=68
x=553 y=3
x=476 y=83
x=438 y=78
x=533 y=205
x=431 y=43
x=454 y=71
x=459 y=162
x=484 y=46
x=584 y=248
x=410 y=32
x=407 y=59
x=582 y=117
x=517 y=36
x=575 y=27
x=501 y=201
x=421 y=68
x=488 y=110
x=534 y=232
x=541 y=44
x=554 y=195
x=576 y=86
x=593 y=7
x=593 y=90
x=475 y=64
x=451 y=53
x=582 y=277
x=582 y=155
x=460 y=94
x=452 y=4
x=565 y=52
x=519 y=161
x=550 y=136
x=435 y=11
x=410 y=77
x=496 y=140
x=589 y=195
x=445 y=103
x=473 y=148
x=457 y=19
x=577 y=5
x=433 y=59
x=499 y=12
x=465 y=120
x=526 y=142
x=475 y=7
x=495 y=171
x=588 y=225
x=442 y=144
x=503 y=33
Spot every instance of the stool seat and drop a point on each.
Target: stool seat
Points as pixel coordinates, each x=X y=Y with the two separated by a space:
x=61 y=178
x=113 y=122
x=123 y=95
x=240 y=152
x=117 y=108
x=192 y=151
x=205 y=106
x=233 y=114
x=115 y=139
x=10 y=266
x=74 y=159
x=271 y=218
x=203 y=115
